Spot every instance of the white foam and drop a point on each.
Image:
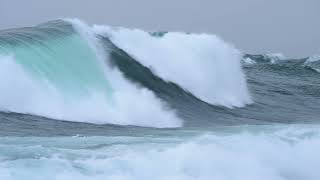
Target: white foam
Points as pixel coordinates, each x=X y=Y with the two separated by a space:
x=313 y=58
x=313 y=62
x=249 y=61
x=200 y=63
x=283 y=155
x=20 y=92
x=275 y=57
x=132 y=105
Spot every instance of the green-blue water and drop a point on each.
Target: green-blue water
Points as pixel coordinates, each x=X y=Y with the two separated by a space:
x=66 y=61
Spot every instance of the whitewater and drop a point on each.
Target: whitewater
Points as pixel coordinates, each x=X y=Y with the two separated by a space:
x=102 y=102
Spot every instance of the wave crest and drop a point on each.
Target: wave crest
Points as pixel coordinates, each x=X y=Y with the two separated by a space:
x=202 y=64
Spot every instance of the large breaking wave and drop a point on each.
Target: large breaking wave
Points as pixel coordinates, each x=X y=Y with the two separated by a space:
x=65 y=70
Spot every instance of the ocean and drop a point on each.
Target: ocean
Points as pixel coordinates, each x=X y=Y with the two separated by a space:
x=100 y=102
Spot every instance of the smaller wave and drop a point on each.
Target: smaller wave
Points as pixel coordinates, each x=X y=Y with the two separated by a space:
x=313 y=62
x=318 y=70
x=298 y=67
x=313 y=58
x=275 y=57
x=248 y=61
x=263 y=58
x=312 y=68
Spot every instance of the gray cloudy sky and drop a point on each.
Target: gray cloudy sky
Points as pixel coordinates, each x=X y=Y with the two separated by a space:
x=256 y=26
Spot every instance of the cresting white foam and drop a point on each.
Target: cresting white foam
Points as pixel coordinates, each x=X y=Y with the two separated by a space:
x=313 y=58
x=18 y=91
x=131 y=105
x=313 y=62
x=202 y=64
x=22 y=93
x=249 y=61
x=275 y=57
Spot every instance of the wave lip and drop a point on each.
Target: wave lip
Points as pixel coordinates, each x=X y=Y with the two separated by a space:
x=202 y=64
x=313 y=58
x=313 y=62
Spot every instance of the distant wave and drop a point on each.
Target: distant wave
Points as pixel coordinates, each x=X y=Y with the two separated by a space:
x=312 y=63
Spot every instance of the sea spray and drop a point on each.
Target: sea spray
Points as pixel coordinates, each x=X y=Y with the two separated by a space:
x=202 y=64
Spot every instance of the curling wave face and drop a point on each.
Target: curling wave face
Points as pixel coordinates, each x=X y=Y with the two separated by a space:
x=57 y=70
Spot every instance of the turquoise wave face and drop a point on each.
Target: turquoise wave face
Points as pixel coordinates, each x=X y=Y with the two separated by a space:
x=67 y=61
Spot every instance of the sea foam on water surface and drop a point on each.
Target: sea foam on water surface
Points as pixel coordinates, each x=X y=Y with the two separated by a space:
x=286 y=153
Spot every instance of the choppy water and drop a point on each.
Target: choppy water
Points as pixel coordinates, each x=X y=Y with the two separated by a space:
x=80 y=102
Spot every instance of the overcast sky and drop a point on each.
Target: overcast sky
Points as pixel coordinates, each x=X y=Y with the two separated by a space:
x=257 y=26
